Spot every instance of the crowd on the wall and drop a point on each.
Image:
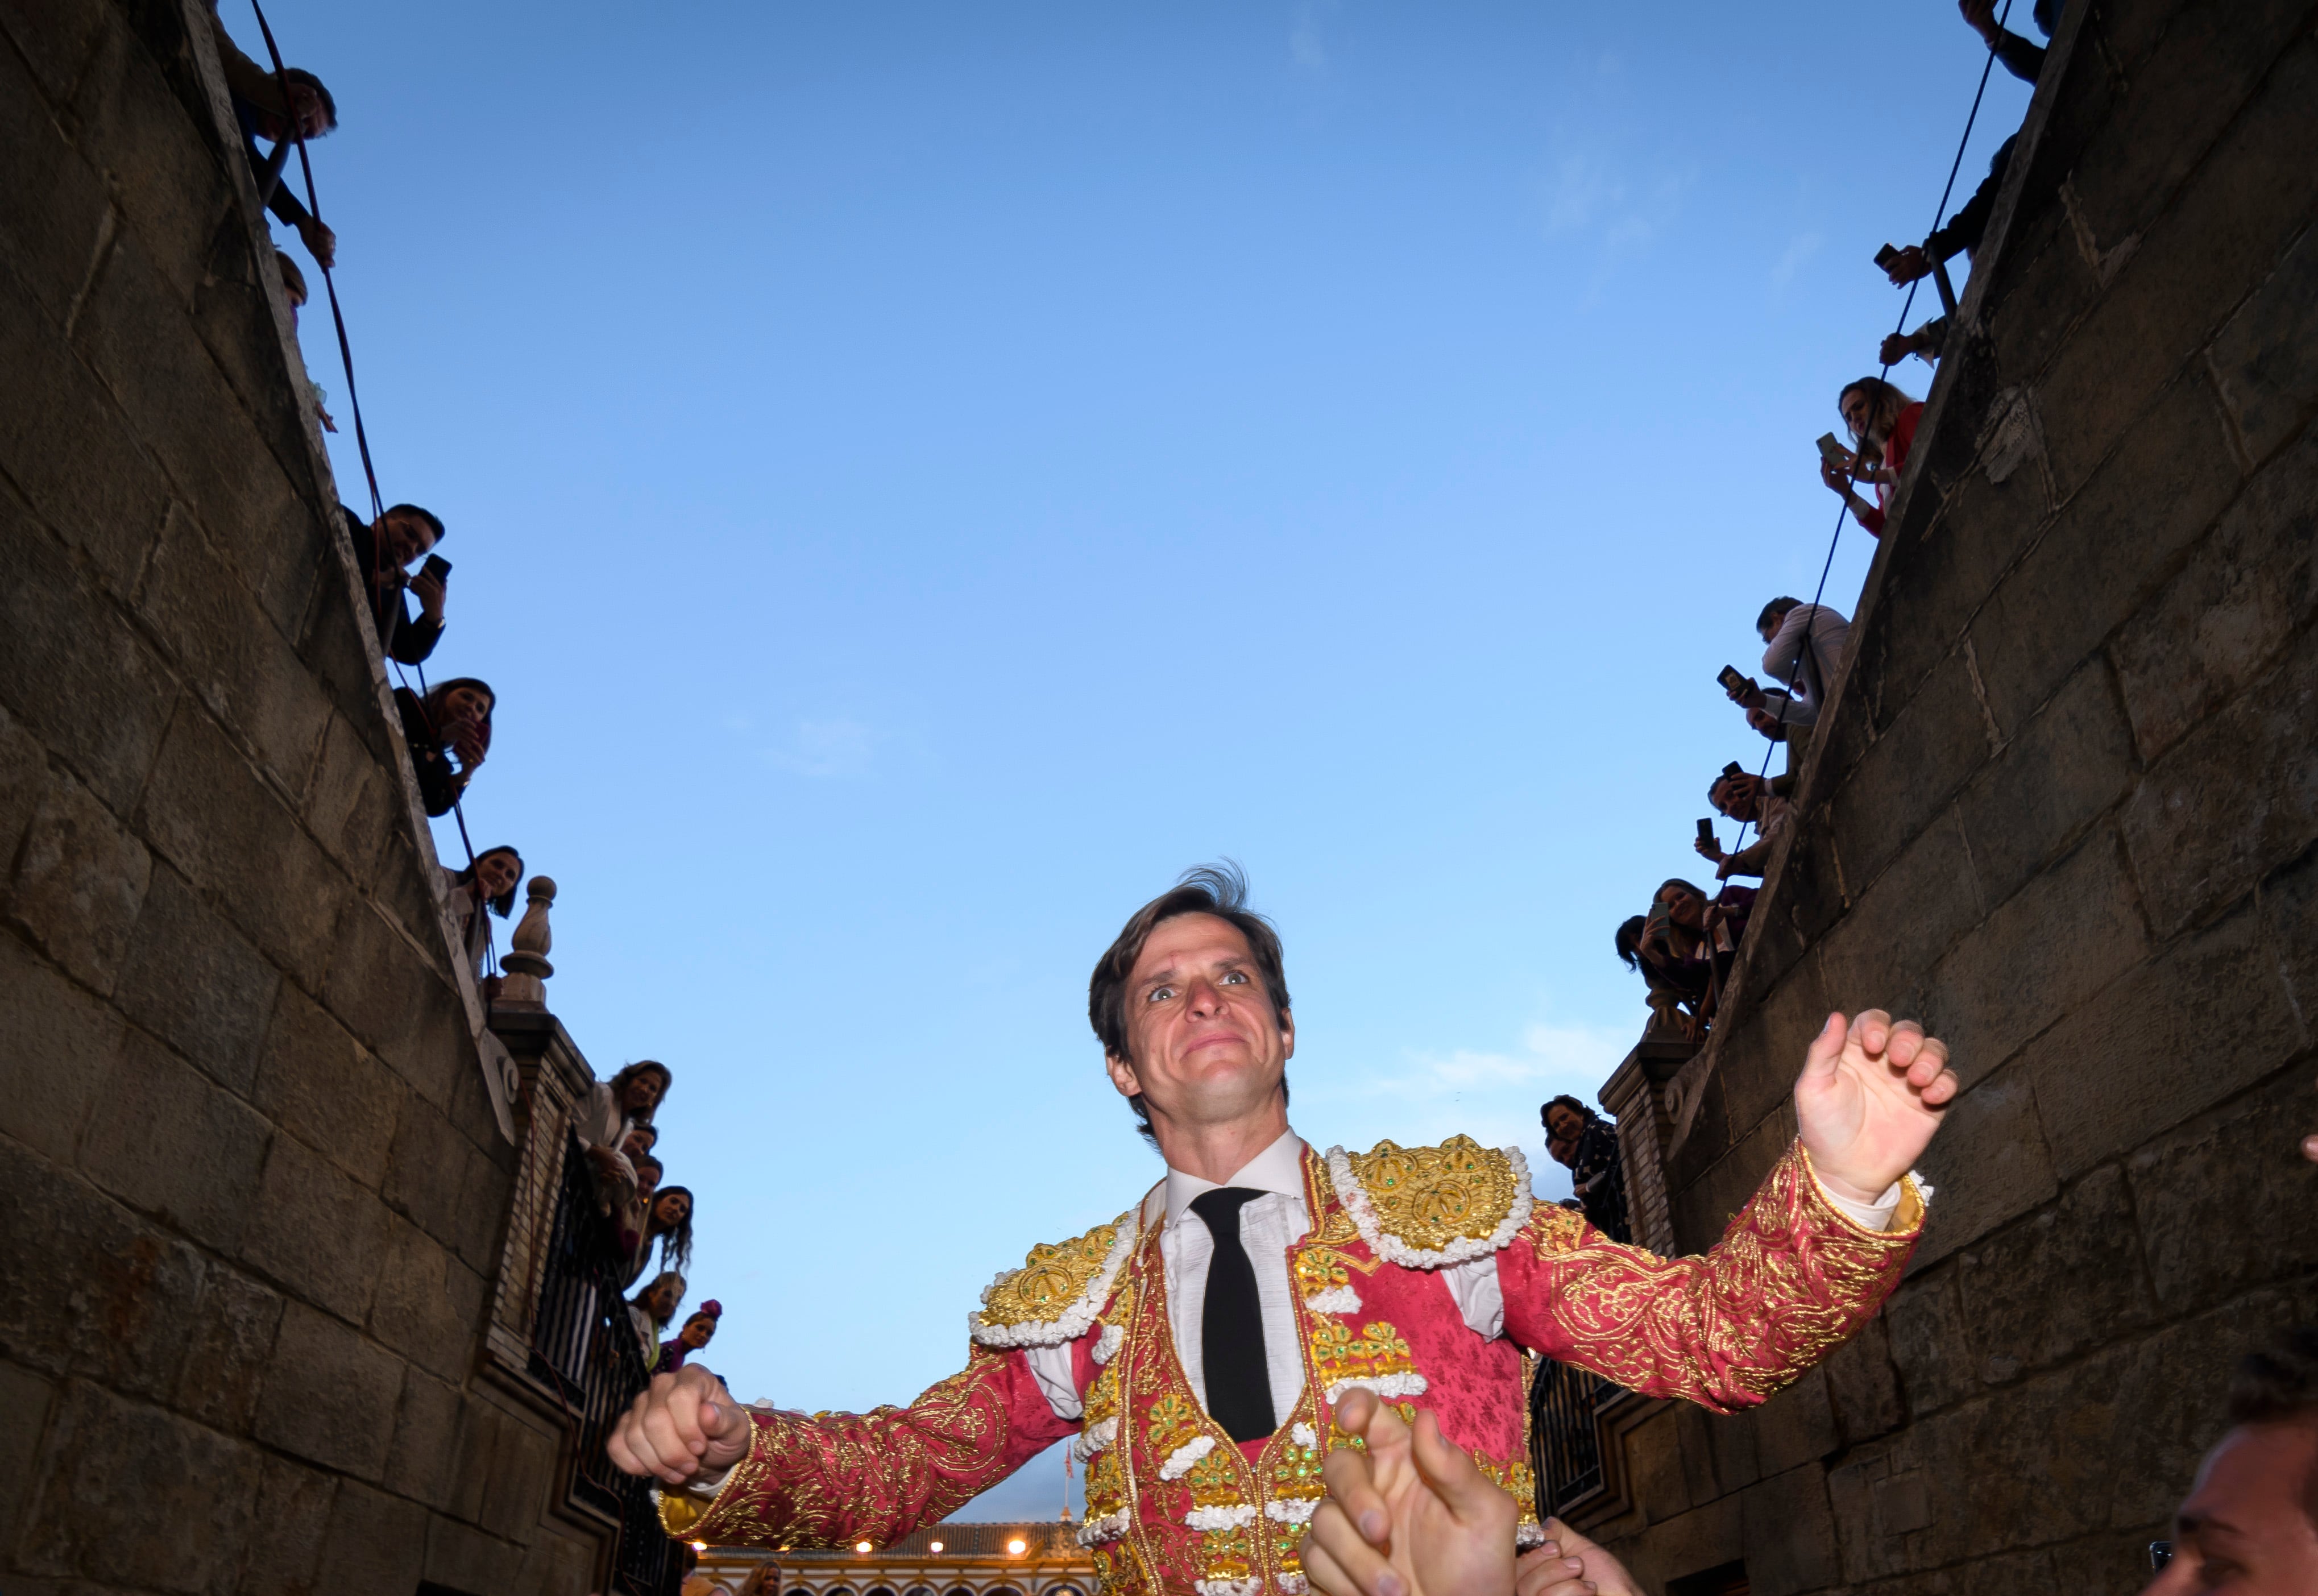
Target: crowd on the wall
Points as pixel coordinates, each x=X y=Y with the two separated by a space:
x=1684 y=943
x=447 y=728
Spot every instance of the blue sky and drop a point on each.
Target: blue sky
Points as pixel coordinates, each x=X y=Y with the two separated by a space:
x=920 y=476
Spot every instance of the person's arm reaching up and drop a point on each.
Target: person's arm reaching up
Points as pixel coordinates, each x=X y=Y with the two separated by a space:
x=1798 y=1270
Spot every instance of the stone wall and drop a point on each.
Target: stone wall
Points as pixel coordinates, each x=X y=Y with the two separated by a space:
x=2064 y=810
x=252 y=1174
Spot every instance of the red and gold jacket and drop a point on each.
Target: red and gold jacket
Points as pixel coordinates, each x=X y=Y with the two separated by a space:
x=1173 y=1505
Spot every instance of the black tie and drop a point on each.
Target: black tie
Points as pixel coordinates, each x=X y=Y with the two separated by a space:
x=1231 y=1322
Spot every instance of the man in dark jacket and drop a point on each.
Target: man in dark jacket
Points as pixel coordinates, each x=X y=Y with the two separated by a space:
x=383 y=552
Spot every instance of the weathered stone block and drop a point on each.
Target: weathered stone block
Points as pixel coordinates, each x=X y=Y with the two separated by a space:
x=229 y=653
x=429 y=1306
x=1884 y=950
x=1863 y=1386
x=1705 y=1537
x=430 y=1171
x=2227 y=1204
x=1796 y=1426
x=80 y=878
x=2289 y=917
x=425 y=1429
x=83 y=1287
x=320 y=1235
x=134 y=333
x=73 y=673
x=2047 y=285
x=322 y=1086
x=226 y=1351
x=1929 y=750
x=2223 y=620
x=2234 y=799
x=126 y=1490
x=2074 y=588
x=2266 y=359
x=24 y=781
x=1760 y=1059
x=351 y=803
x=189 y=1154
x=330 y=1394
x=2064 y=1280
x=51 y=204
x=57 y=1044
x=25 y=1401
x=1948 y=574
x=2061 y=938
x=460 y=1558
x=293 y=1505
x=1693 y=1448
x=193 y=981
x=1790 y=1534
x=1654 y=1481
x=523 y=1468
x=376 y=1543
x=1988 y=1164
x=57 y=37
x=2205 y=1021
x=387 y=993
x=2071 y=761
x=229 y=832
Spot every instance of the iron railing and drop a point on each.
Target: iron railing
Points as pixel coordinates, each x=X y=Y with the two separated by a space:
x=584 y=1349
x=1565 y=1435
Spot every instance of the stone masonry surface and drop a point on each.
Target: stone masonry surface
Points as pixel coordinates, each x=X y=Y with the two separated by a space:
x=2063 y=809
x=254 y=1181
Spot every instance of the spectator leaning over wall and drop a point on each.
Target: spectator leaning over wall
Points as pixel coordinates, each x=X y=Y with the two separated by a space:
x=668 y=1222
x=259 y=107
x=698 y=1330
x=1745 y=797
x=1966 y=229
x=449 y=733
x=1805 y=645
x=2249 y=1525
x=651 y=1310
x=1586 y=1144
x=383 y=552
x=294 y=285
x=1883 y=422
x=486 y=884
x=604 y=1122
x=630 y=1218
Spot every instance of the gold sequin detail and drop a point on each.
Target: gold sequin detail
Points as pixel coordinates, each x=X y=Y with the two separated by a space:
x=1429 y=1197
x=1051 y=1279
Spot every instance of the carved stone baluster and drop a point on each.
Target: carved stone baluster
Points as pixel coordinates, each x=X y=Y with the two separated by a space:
x=526 y=966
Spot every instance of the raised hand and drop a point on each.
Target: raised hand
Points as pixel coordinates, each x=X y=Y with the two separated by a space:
x=681 y=1425
x=1411 y=1516
x=1870 y=1095
x=1569 y=1565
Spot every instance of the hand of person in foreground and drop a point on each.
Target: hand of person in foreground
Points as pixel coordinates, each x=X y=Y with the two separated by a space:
x=1412 y=1516
x=1872 y=1093
x=1569 y=1565
x=683 y=1424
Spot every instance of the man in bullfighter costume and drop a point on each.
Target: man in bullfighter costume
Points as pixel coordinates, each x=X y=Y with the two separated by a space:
x=1197 y=1344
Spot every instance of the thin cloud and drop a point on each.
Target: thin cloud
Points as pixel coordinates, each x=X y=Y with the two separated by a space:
x=1308 y=51
x=1800 y=250
x=827 y=749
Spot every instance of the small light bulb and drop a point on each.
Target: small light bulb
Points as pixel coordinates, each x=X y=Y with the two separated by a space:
x=861 y=1546
x=1015 y=1546
x=933 y=1546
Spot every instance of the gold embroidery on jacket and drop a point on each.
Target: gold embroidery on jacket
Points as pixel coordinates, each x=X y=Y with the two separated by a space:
x=1429 y=1197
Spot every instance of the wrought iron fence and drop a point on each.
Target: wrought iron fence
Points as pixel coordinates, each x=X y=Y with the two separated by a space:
x=1564 y=1434
x=584 y=1349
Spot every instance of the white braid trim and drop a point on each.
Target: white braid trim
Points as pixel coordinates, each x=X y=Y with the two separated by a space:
x=1385 y=1385
x=1229 y=1587
x=1294 y=1584
x=1179 y=1461
x=1337 y=1299
x=1094 y=1438
x=1110 y=1527
x=1387 y=1246
x=1304 y=1436
x=1239 y=1515
x=1293 y=1509
x=1528 y=1535
x=1074 y=1321
x=1107 y=1344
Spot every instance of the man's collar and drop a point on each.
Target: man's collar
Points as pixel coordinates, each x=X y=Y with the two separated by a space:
x=1278 y=1167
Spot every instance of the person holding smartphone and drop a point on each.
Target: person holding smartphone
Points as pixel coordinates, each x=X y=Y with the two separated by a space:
x=384 y=550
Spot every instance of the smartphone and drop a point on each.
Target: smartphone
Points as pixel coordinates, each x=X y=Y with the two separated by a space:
x=1734 y=768
x=1731 y=679
x=1832 y=452
x=1885 y=257
x=436 y=567
x=1705 y=831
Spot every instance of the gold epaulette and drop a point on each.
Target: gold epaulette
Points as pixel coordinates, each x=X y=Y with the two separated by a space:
x=1053 y=1297
x=1427 y=1207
